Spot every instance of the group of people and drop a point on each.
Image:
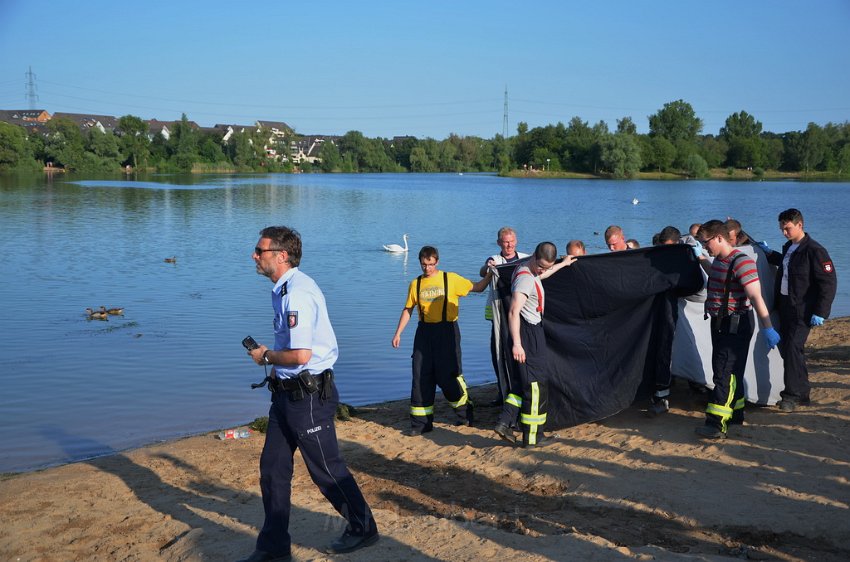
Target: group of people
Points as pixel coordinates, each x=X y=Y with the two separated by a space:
x=304 y=396
x=804 y=289
x=437 y=349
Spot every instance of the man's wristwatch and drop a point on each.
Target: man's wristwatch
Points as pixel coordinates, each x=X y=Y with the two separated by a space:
x=266 y=357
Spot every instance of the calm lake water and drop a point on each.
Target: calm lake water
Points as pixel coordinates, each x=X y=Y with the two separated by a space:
x=173 y=364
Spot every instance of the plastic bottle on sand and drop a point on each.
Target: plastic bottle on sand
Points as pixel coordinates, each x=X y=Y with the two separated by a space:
x=239 y=433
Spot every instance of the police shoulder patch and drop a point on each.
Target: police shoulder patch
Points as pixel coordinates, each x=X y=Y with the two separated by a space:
x=827 y=266
x=292 y=318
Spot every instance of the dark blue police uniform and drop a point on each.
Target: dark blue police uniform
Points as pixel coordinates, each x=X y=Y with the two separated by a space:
x=302 y=419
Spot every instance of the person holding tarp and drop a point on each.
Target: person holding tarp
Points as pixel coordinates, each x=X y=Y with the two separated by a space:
x=599 y=327
x=528 y=346
x=733 y=290
x=507 y=241
x=665 y=318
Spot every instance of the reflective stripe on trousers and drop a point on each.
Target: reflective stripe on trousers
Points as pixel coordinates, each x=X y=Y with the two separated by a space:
x=726 y=411
x=533 y=419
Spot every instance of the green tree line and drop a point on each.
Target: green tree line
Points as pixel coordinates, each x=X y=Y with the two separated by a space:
x=675 y=143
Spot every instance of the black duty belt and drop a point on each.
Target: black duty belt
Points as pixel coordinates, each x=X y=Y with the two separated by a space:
x=297 y=386
x=294 y=383
x=729 y=323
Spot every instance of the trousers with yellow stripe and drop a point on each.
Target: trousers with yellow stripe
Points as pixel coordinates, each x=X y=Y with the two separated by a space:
x=531 y=405
x=728 y=361
x=437 y=362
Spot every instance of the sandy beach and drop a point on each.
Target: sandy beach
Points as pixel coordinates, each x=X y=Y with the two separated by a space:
x=629 y=487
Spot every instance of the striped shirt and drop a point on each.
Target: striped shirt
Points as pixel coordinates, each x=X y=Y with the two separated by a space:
x=744 y=273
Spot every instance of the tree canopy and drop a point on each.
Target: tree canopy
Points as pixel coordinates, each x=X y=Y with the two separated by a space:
x=674 y=143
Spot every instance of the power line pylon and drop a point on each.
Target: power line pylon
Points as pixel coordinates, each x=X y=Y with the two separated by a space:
x=505 y=117
x=32 y=97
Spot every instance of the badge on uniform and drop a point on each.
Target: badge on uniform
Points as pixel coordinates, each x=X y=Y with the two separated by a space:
x=292 y=318
x=827 y=266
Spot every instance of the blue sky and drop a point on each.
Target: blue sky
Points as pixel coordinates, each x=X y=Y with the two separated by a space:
x=430 y=68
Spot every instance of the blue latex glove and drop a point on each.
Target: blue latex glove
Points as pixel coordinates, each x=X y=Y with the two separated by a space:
x=816 y=320
x=772 y=337
x=697 y=251
x=764 y=247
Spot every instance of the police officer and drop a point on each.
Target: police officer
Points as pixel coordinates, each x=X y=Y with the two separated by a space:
x=805 y=288
x=304 y=401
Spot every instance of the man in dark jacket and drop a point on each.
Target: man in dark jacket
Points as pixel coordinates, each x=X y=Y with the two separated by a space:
x=805 y=288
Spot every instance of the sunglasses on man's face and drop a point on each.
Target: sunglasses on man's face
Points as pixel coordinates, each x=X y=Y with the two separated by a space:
x=259 y=251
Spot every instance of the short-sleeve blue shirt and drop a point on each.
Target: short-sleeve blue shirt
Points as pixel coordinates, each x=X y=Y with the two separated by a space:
x=301 y=322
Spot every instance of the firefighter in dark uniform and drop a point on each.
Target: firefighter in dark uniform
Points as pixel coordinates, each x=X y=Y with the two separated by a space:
x=805 y=288
x=528 y=349
x=732 y=291
x=304 y=401
x=436 y=345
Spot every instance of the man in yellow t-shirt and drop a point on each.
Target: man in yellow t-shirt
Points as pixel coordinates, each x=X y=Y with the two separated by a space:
x=436 y=345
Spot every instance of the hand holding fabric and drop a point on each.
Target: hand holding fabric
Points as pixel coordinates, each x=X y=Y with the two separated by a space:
x=764 y=247
x=816 y=320
x=772 y=337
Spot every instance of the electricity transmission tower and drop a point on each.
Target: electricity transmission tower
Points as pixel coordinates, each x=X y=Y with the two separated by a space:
x=505 y=117
x=32 y=97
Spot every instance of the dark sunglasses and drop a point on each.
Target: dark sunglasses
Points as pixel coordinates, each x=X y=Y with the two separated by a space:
x=259 y=251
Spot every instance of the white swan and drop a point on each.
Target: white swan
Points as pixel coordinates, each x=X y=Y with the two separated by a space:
x=395 y=248
x=635 y=201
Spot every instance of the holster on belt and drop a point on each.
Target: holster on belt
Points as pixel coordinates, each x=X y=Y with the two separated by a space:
x=727 y=324
x=303 y=383
x=327 y=383
x=308 y=382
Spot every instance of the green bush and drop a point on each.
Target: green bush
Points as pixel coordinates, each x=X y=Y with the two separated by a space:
x=260 y=424
x=696 y=167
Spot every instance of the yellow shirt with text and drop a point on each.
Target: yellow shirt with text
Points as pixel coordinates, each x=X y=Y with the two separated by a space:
x=432 y=296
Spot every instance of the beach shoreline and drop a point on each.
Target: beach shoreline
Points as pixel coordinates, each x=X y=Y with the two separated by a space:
x=628 y=487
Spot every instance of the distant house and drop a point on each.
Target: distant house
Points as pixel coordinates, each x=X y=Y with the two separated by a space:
x=158 y=127
x=86 y=122
x=279 y=131
x=166 y=128
x=33 y=120
x=307 y=148
x=229 y=130
x=194 y=126
x=209 y=131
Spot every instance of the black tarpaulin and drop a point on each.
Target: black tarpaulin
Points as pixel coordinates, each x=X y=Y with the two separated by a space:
x=601 y=323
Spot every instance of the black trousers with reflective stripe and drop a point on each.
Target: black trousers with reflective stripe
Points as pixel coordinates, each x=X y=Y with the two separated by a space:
x=729 y=354
x=532 y=373
x=436 y=362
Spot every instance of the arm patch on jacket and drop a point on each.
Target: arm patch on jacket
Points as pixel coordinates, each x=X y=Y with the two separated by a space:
x=827 y=267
